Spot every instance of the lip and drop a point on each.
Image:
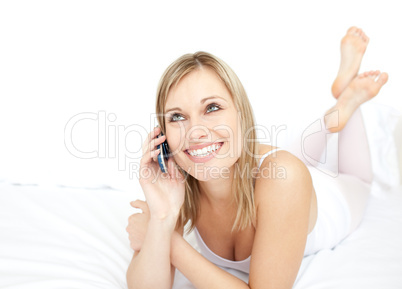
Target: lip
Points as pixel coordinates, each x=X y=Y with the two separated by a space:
x=206 y=158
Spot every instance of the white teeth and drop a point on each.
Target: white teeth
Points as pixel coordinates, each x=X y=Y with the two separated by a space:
x=204 y=151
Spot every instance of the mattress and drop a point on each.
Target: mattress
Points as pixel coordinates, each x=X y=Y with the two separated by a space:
x=66 y=237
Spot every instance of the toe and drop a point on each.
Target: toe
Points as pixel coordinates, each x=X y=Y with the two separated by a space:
x=383 y=78
x=352 y=30
x=365 y=38
x=375 y=74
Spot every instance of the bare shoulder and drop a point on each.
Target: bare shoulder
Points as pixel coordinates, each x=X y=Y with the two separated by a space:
x=281 y=157
x=264 y=148
x=284 y=173
x=282 y=220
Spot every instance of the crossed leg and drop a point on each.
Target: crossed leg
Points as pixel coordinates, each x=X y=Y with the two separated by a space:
x=343 y=126
x=343 y=123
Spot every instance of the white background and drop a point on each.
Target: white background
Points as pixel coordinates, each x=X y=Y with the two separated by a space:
x=60 y=59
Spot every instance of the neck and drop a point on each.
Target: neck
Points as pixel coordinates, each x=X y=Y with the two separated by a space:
x=217 y=192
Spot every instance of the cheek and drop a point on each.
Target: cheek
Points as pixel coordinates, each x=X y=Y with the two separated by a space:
x=232 y=131
x=175 y=137
x=236 y=130
x=173 y=140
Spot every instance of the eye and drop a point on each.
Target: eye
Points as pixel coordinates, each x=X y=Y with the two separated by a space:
x=210 y=108
x=213 y=107
x=174 y=117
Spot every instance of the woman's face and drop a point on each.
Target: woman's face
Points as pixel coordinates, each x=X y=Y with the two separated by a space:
x=202 y=125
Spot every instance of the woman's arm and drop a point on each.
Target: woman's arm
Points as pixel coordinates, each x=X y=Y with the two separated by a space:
x=137 y=228
x=200 y=271
x=151 y=267
x=283 y=213
x=282 y=224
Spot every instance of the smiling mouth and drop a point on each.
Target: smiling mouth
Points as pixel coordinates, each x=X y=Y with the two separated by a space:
x=205 y=151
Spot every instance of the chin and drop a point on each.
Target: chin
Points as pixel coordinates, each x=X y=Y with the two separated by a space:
x=213 y=168
x=219 y=170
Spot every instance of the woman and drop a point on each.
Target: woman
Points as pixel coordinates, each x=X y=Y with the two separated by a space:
x=243 y=219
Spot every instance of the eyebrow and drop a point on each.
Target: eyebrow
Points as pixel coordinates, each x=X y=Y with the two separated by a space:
x=202 y=101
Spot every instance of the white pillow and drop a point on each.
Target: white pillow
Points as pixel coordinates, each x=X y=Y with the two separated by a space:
x=398 y=144
x=381 y=125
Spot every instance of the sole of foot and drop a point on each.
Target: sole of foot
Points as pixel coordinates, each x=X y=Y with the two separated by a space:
x=362 y=88
x=353 y=47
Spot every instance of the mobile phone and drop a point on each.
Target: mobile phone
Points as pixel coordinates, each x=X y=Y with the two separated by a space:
x=163 y=155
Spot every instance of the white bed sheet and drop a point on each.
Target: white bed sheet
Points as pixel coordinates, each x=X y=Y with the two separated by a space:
x=61 y=237
x=55 y=237
x=371 y=257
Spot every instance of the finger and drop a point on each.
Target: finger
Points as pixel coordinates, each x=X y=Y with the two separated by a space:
x=137 y=204
x=148 y=154
x=154 y=155
x=153 y=145
x=156 y=131
x=140 y=205
x=151 y=137
x=155 y=142
x=149 y=145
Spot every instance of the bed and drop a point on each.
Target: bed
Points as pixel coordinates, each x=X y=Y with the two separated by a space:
x=60 y=236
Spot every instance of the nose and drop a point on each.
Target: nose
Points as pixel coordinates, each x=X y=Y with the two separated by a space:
x=198 y=131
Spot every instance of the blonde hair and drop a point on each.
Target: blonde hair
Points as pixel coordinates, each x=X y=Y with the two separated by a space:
x=242 y=188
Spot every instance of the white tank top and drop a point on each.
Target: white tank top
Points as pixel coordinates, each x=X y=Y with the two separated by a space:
x=243 y=265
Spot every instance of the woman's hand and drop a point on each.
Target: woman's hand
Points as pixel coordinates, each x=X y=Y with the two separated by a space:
x=164 y=192
x=138 y=225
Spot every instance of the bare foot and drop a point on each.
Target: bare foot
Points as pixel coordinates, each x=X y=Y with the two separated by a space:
x=353 y=46
x=362 y=88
